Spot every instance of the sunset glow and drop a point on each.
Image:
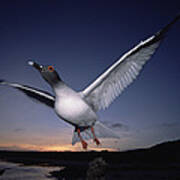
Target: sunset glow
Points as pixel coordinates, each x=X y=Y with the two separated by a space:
x=58 y=148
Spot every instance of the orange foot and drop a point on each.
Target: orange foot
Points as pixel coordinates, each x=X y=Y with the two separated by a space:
x=84 y=144
x=97 y=141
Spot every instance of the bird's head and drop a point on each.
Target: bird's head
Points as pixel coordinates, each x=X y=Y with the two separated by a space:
x=47 y=72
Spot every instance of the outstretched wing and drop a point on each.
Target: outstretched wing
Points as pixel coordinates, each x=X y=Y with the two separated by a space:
x=114 y=80
x=39 y=95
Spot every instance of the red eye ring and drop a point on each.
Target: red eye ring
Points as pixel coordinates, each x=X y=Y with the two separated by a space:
x=50 y=68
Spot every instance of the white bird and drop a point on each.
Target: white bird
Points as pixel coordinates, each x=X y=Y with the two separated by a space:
x=80 y=108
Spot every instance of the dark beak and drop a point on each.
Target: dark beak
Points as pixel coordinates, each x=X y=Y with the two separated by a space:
x=35 y=65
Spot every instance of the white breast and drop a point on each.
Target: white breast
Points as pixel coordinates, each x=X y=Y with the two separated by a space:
x=70 y=107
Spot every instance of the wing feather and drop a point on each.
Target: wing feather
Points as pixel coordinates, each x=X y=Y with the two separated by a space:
x=39 y=95
x=123 y=72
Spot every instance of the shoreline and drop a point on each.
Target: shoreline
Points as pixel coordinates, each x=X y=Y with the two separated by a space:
x=158 y=162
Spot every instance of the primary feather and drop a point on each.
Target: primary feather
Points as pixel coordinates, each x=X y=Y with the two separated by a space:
x=114 y=80
x=39 y=95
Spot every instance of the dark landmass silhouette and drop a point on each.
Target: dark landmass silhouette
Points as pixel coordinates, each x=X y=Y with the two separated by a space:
x=161 y=161
x=2 y=171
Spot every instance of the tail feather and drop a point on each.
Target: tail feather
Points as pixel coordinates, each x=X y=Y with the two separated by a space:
x=101 y=131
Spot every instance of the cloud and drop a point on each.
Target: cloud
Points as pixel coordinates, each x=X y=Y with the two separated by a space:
x=117 y=126
x=18 y=130
x=12 y=148
x=171 y=124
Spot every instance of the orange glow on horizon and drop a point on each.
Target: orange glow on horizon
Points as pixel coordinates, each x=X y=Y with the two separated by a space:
x=58 y=148
x=74 y=148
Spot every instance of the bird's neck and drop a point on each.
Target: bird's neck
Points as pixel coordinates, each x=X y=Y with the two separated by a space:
x=57 y=83
x=61 y=89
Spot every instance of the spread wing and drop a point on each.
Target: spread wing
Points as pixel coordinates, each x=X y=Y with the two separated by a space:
x=122 y=73
x=39 y=95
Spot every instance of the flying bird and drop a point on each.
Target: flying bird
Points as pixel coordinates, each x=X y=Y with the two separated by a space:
x=80 y=108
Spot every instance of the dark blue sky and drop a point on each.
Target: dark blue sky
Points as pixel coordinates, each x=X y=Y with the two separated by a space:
x=81 y=39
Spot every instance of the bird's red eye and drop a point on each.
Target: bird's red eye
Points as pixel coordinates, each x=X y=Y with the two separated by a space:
x=50 y=68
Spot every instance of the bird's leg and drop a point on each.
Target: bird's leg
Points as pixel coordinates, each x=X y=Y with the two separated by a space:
x=84 y=143
x=94 y=136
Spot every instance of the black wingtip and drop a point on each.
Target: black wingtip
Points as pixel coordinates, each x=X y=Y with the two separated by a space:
x=178 y=16
x=1 y=81
x=163 y=31
x=174 y=20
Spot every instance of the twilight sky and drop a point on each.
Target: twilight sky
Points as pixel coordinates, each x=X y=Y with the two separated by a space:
x=81 y=39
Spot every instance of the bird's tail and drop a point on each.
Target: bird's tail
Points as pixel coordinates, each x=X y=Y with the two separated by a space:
x=101 y=131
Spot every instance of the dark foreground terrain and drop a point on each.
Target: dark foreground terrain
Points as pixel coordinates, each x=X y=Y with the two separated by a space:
x=159 y=162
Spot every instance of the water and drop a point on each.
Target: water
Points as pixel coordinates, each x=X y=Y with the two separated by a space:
x=20 y=172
